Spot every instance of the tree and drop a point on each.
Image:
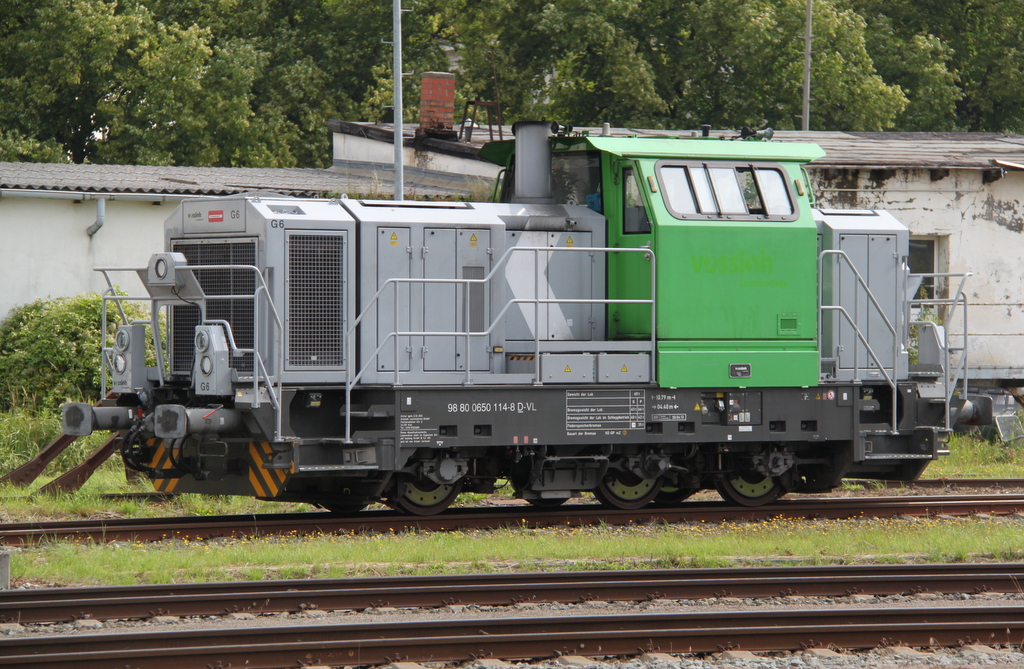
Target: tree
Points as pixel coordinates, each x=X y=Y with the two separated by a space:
x=975 y=46
x=665 y=64
x=190 y=82
x=572 y=61
x=15 y=147
x=59 y=57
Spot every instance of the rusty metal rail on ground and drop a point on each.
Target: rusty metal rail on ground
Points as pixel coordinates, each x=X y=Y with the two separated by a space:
x=70 y=481
x=942 y=483
x=574 y=515
x=51 y=605
x=519 y=638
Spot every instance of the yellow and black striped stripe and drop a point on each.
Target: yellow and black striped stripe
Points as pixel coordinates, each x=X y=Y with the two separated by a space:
x=162 y=462
x=264 y=482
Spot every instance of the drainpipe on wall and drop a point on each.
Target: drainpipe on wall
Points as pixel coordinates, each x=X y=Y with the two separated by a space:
x=101 y=216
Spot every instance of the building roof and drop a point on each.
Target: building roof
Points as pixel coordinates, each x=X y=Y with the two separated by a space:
x=844 y=150
x=913 y=150
x=852 y=150
x=186 y=181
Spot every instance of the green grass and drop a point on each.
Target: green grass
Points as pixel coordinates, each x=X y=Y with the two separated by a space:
x=23 y=434
x=971 y=456
x=784 y=541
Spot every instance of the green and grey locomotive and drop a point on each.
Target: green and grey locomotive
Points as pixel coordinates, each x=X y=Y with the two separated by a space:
x=639 y=318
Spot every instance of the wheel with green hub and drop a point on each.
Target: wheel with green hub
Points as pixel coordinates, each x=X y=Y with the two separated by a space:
x=623 y=490
x=749 y=489
x=423 y=497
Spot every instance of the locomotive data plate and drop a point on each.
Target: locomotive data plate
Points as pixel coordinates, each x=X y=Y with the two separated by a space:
x=598 y=412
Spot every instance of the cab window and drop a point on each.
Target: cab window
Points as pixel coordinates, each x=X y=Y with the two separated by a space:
x=576 y=178
x=726 y=191
x=634 y=216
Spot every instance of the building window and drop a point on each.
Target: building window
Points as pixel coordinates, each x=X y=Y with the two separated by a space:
x=922 y=261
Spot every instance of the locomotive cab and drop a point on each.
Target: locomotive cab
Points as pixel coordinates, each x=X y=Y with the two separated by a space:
x=638 y=318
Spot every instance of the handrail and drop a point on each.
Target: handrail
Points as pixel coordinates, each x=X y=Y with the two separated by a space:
x=952 y=375
x=395 y=335
x=961 y=371
x=260 y=371
x=890 y=378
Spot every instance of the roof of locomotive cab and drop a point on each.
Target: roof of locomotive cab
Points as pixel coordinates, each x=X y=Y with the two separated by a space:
x=670 y=147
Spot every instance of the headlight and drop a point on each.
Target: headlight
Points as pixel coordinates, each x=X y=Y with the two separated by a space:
x=206 y=365
x=122 y=339
x=202 y=340
x=120 y=363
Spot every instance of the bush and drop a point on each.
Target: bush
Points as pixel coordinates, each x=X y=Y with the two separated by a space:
x=50 y=352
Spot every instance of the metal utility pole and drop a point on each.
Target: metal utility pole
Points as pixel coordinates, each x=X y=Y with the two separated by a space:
x=396 y=17
x=806 y=121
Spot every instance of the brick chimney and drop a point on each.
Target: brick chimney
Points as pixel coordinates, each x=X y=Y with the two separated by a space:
x=437 y=105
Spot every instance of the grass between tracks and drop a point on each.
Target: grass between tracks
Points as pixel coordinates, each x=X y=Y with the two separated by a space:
x=522 y=549
x=510 y=549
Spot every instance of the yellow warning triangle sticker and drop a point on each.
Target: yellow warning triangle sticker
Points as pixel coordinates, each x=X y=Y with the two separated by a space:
x=624 y=368
x=394 y=235
x=568 y=242
x=472 y=238
x=696 y=407
x=567 y=370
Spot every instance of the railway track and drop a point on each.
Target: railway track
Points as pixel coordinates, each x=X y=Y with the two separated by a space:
x=54 y=605
x=518 y=638
x=574 y=515
x=953 y=484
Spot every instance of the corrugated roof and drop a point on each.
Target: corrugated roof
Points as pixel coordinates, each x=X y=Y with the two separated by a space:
x=868 y=150
x=163 y=180
x=913 y=150
x=861 y=150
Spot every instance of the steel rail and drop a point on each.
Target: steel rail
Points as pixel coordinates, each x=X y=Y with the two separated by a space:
x=194 y=599
x=572 y=515
x=952 y=483
x=519 y=638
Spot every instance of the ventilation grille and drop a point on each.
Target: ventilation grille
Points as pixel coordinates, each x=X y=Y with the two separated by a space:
x=237 y=312
x=316 y=300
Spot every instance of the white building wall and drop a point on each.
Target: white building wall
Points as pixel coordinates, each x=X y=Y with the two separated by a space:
x=979 y=228
x=46 y=252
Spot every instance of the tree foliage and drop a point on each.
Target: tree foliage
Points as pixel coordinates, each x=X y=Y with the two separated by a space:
x=253 y=82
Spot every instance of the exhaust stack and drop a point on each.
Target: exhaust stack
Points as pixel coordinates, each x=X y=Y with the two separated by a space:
x=533 y=161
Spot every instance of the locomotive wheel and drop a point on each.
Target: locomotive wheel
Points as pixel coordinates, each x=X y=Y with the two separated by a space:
x=749 y=489
x=424 y=497
x=619 y=490
x=670 y=495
